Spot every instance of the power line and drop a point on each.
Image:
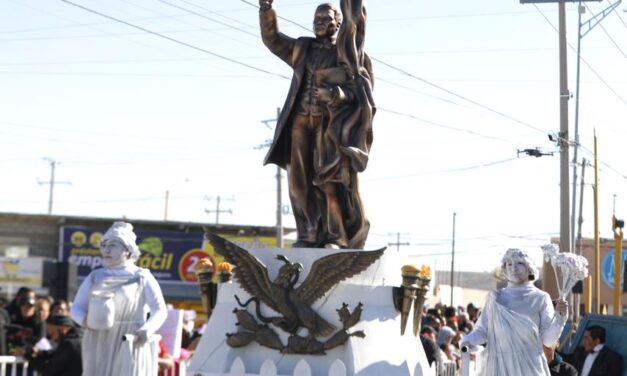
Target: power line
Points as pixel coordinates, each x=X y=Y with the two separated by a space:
x=608 y=35
x=436 y=172
x=619 y=16
x=442 y=125
x=434 y=85
x=267 y=72
x=624 y=176
x=90 y=25
x=208 y=18
x=102 y=35
x=279 y=17
x=418 y=91
x=582 y=59
x=176 y=40
x=138 y=75
x=460 y=96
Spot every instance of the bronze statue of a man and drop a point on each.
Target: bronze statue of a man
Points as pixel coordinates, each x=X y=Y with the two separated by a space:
x=324 y=132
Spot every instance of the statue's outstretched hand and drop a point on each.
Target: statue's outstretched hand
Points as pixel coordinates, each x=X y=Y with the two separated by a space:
x=265 y=4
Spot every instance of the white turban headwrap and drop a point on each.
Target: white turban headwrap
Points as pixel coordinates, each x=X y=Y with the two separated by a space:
x=124 y=232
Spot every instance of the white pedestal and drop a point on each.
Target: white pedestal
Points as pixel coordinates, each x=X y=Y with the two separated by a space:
x=382 y=352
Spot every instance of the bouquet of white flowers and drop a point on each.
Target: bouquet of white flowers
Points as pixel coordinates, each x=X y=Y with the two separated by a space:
x=574 y=268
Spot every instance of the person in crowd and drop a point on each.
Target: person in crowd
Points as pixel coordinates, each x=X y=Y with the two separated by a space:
x=464 y=323
x=446 y=335
x=4 y=321
x=115 y=301
x=65 y=359
x=594 y=358
x=473 y=312
x=439 y=309
x=432 y=351
x=450 y=314
x=433 y=321
x=190 y=335
x=557 y=365
x=60 y=307
x=165 y=362
x=42 y=307
x=13 y=307
x=516 y=321
x=24 y=328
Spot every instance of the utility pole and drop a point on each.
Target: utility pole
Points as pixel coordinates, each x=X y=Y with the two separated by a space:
x=279 y=189
x=51 y=183
x=218 y=210
x=597 y=244
x=563 y=139
x=579 y=244
x=167 y=202
x=589 y=25
x=453 y=259
x=617 y=228
x=279 y=200
x=398 y=243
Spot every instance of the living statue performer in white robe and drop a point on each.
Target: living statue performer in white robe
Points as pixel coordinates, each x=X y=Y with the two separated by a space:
x=516 y=321
x=117 y=300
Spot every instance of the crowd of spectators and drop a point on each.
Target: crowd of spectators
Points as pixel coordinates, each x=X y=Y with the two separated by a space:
x=40 y=330
x=442 y=330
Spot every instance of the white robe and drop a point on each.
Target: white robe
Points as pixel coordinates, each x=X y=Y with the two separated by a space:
x=136 y=293
x=515 y=323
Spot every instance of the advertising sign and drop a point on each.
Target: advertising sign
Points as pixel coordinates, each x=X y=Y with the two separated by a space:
x=607 y=267
x=21 y=271
x=170 y=255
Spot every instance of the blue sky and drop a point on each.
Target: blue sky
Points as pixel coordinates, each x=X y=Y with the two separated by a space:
x=460 y=87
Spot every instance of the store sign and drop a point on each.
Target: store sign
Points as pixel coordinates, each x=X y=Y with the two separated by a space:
x=170 y=255
x=607 y=267
x=20 y=272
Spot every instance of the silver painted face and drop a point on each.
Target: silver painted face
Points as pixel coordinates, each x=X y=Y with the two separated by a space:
x=516 y=270
x=113 y=252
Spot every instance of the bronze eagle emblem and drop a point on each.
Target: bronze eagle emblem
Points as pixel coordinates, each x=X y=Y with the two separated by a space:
x=280 y=294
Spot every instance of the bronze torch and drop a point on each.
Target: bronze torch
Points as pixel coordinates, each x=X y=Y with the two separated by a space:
x=413 y=290
x=208 y=289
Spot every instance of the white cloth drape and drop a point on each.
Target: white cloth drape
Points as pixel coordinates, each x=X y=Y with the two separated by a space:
x=514 y=324
x=136 y=293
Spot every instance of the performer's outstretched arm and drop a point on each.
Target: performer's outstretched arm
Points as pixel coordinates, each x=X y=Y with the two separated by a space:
x=479 y=334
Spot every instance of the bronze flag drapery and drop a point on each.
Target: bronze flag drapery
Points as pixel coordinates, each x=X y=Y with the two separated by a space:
x=348 y=136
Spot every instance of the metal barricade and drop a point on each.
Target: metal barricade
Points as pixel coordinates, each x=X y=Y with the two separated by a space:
x=14 y=366
x=448 y=368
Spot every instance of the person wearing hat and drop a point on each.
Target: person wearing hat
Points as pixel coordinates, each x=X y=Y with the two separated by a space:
x=120 y=307
x=516 y=322
x=65 y=359
x=24 y=328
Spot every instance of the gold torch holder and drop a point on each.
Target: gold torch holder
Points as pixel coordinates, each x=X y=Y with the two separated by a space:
x=208 y=289
x=412 y=291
